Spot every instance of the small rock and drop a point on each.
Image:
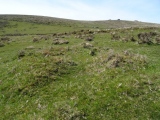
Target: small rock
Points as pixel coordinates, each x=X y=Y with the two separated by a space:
x=30 y=47
x=87 y=45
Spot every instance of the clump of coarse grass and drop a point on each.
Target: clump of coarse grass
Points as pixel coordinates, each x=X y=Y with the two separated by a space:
x=21 y=53
x=35 y=39
x=133 y=39
x=145 y=38
x=5 y=39
x=157 y=40
x=125 y=59
x=148 y=38
x=1 y=44
x=46 y=52
x=93 y=52
x=43 y=72
x=54 y=51
x=115 y=36
x=66 y=112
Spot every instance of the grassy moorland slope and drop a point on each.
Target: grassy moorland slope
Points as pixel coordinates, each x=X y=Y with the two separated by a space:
x=44 y=25
x=72 y=70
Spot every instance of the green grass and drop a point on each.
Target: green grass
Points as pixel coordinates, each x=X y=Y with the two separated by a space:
x=15 y=28
x=64 y=82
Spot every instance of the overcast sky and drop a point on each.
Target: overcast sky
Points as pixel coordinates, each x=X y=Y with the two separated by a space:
x=142 y=10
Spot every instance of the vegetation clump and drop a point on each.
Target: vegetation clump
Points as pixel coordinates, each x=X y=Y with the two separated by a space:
x=35 y=39
x=5 y=39
x=144 y=38
x=54 y=51
x=125 y=59
x=2 y=44
x=148 y=38
x=157 y=40
x=115 y=36
x=60 y=42
x=44 y=73
x=93 y=52
x=66 y=112
x=21 y=53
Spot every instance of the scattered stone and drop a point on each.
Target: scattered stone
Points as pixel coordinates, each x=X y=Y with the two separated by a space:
x=80 y=36
x=87 y=45
x=89 y=39
x=60 y=42
x=56 y=39
x=44 y=38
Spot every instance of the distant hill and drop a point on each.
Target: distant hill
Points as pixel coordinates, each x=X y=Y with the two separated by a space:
x=77 y=23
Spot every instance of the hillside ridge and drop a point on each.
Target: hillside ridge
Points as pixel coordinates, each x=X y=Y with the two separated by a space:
x=90 y=24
